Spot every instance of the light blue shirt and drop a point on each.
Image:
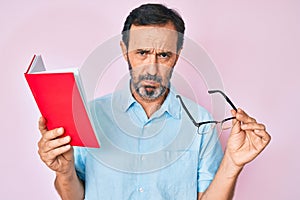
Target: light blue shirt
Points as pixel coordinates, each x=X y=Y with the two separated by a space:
x=161 y=157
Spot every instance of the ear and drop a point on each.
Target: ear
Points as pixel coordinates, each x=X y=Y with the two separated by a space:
x=124 y=50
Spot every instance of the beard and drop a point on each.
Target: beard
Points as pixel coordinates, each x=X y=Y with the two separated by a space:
x=149 y=87
x=146 y=91
x=152 y=91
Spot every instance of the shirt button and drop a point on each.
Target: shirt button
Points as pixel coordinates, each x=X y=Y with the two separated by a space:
x=141 y=189
x=143 y=158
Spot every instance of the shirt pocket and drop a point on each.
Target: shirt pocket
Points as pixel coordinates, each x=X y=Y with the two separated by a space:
x=179 y=179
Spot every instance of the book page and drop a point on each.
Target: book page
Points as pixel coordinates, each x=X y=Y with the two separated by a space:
x=37 y=65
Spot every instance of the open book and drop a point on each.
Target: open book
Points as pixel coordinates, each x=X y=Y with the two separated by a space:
x=60 y=98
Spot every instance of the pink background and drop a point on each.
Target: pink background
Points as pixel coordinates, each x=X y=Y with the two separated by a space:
x=254 y=44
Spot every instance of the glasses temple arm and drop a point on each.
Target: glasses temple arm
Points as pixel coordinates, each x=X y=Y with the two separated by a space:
x=224 y=95
x=187 y=111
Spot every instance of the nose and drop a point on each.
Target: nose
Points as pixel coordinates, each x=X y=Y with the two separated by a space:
x=152 y=68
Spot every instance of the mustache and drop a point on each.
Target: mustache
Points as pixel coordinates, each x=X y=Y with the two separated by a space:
x=149 y=77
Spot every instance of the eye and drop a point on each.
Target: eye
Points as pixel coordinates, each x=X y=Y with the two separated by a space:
x=142 y=52
x=164 y=55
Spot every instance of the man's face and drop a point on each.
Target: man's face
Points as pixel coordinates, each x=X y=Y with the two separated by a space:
x=151 y=55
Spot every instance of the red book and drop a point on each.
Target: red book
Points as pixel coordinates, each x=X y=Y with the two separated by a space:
x=60 y=100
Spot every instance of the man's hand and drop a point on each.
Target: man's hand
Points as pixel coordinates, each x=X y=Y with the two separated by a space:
x=58 y=155
x=247 y=139
x=54 y=151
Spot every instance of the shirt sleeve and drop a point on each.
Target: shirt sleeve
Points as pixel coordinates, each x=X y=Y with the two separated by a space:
x=210 y=157
x=79 y=159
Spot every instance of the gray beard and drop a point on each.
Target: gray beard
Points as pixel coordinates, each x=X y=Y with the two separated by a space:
x=149 y=93
x=142 y=91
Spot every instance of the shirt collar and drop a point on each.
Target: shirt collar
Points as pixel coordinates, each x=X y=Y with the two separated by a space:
x=171 y=104
x=127 y=100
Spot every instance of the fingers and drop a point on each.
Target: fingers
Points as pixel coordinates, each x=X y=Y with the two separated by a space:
x=51 y=146
x=263 y=135
x=249 y=124
x=257 y=129
x=55 y=150
x=244 y=122
x=50 y=140
x=52 y=155
x=243 y=116
x=253 y=126
x=57 y=143
x=52 y=134
x=236 y=125
x=51 y=150
x=49 y=135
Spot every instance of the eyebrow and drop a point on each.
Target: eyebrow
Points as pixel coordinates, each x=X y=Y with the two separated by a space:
x=159 y=52
x=166 y=52
x=146 y=50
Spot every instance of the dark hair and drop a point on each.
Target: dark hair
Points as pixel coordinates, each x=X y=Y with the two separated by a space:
x=153 y=14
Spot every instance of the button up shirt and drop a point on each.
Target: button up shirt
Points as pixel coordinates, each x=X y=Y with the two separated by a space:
x=161 y=157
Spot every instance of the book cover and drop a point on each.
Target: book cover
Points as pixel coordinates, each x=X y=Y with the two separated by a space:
x=60 y=101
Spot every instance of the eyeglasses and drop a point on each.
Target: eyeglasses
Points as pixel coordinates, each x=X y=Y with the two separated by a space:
x=223 y=125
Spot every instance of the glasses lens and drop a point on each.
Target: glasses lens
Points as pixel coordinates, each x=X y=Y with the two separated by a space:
x=227 y=124
x=207 y=128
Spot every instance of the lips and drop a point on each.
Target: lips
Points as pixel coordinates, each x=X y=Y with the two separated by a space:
x=150 y=82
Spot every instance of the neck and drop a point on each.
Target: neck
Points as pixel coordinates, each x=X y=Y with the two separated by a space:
x=150 y=106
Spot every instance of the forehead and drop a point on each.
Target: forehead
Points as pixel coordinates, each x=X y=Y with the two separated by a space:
x=159 y=37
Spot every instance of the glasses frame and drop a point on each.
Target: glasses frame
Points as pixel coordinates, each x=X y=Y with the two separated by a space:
x=198 y=124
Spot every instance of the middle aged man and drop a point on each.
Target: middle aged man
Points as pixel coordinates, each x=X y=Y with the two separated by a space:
x=149 y=120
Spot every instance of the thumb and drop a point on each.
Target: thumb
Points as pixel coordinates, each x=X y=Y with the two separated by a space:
x=236 y=125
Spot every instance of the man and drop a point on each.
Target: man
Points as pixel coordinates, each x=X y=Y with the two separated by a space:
x=146 y=119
